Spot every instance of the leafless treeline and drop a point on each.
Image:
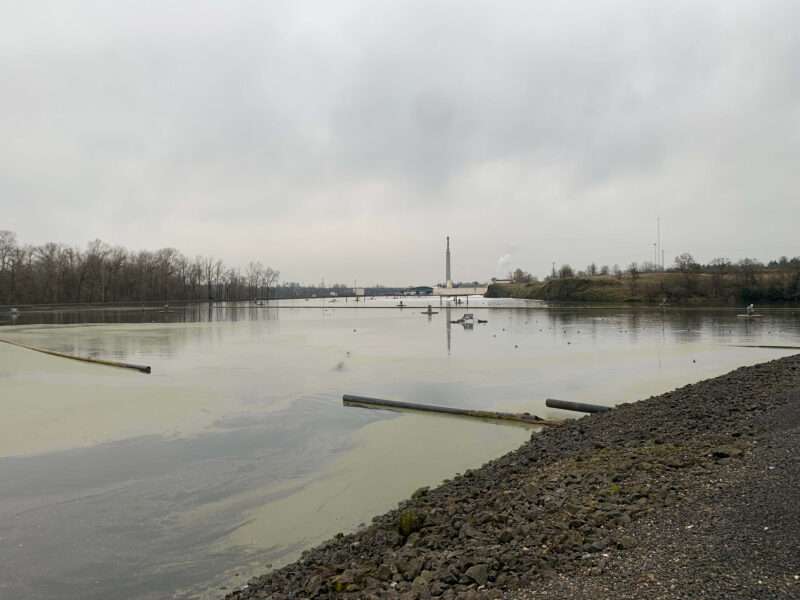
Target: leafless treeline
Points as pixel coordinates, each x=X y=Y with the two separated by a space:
x=55 y=273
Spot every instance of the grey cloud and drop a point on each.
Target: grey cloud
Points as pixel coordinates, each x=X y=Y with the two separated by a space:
x=561 y=128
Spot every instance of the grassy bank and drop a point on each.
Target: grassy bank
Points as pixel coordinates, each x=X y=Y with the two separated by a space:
x=574 y=289
x=655 y=288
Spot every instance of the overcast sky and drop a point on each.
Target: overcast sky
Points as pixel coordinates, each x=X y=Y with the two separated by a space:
x=345 y=139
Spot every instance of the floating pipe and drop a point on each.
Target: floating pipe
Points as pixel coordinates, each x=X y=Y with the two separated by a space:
x=576 y=406
x=763 y=346
x=377 y=403
x=97 y=361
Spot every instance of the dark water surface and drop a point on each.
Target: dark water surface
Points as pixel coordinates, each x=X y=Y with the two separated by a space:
x=236 y=452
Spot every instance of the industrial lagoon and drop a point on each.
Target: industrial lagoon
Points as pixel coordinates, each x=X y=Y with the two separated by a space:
x=236 y=453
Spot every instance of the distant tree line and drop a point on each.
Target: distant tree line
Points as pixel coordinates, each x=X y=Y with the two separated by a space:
x=748 y=279
x=57 y=273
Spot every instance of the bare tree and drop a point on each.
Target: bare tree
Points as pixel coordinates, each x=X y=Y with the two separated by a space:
x=687 y=265
x=208 y=274
x=8 y=243
x=748 y=267
x=685 y=262
x=719 y=268
x=219 y=269
x=254 y=270
x=634 y=273
x=270 y=278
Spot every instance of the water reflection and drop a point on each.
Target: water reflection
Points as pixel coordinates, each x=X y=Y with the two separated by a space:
x=448 y=317
x=180 y=313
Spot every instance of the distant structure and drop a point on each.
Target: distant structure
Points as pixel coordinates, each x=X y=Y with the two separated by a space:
x=422 y=290
x=449 y=290
x=447 y=276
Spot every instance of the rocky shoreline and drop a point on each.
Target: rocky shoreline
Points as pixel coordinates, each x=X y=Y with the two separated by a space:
x=609 y=505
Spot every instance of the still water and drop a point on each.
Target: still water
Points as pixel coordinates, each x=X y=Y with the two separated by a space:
x=236 y=453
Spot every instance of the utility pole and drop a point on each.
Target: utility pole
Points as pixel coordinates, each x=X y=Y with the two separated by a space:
x=658 y=239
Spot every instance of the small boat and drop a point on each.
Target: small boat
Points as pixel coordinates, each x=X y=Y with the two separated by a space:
x=465 y=320
x=751 y=312
x=482 y=321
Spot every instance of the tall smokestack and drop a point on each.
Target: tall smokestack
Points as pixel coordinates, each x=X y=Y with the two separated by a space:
x=448 y=279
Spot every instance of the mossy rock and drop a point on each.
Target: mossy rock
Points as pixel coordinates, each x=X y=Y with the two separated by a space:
x=421 y=492
x=410 y=521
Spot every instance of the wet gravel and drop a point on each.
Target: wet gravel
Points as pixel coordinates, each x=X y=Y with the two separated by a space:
x=691 y=494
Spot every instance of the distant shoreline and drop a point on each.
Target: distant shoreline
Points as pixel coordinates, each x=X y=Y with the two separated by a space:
x=421 y=302
x=653 y=289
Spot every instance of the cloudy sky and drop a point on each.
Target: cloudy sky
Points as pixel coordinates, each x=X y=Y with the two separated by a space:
x=345 y=139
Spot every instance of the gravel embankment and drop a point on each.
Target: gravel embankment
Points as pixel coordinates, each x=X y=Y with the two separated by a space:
x=691 y=494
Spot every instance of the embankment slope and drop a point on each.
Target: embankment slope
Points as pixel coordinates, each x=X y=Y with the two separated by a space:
x=703 y=289
x=573 y=289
